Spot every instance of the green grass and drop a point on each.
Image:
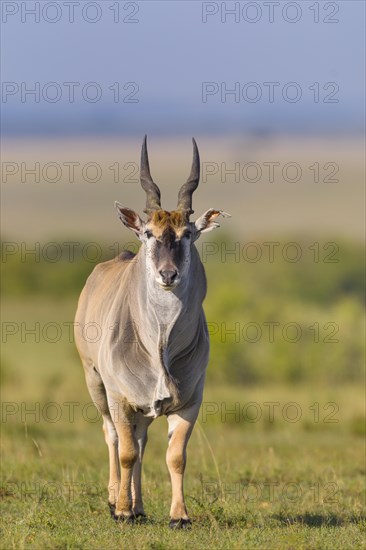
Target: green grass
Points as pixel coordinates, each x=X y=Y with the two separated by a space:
x=247 y=485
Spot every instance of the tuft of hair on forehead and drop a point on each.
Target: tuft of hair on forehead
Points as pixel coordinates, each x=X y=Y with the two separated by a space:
x=164 y=219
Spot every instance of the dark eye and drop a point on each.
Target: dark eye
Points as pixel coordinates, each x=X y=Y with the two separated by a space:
x=187 y=234
x=148 y=234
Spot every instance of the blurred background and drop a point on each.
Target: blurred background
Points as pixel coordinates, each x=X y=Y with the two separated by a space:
x=273 y=94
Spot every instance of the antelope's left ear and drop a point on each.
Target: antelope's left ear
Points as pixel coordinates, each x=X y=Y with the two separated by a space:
x=129 y=218
x=207 y=221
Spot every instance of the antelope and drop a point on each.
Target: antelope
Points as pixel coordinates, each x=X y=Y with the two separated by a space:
x=151 y=357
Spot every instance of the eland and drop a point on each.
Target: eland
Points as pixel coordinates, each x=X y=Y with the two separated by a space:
x=152 y=353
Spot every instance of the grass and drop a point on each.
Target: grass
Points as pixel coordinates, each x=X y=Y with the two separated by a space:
x=284 y=486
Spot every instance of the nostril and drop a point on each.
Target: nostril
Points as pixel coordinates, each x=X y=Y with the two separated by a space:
x=168 y=276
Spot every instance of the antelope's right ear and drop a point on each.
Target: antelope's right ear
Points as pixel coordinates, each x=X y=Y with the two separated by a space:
x=129 y=218
x=207 y=221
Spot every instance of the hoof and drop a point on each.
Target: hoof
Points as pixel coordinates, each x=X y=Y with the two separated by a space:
x=180 y=524
x=119 y=518
x=140 y=517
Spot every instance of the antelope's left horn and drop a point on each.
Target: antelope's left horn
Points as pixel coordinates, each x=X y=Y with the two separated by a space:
x=187 y=189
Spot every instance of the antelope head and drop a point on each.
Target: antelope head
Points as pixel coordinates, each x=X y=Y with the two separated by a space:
x=168 y=237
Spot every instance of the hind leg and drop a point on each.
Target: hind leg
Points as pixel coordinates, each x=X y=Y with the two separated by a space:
x=141 y=426
x=98 y=394
x=111 y=439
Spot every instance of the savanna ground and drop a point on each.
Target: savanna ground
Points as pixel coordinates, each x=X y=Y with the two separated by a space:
x=277 y=459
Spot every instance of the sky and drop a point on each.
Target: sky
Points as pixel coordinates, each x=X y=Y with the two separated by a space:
x=114 y=67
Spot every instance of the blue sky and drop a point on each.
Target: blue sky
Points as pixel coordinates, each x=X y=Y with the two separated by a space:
x=169 y=52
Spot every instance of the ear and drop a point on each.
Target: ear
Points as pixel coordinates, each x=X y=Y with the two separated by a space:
x=207 y=221
x=129 y=218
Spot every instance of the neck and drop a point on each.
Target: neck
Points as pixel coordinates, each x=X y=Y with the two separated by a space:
x=162 y=309
x=164 y=306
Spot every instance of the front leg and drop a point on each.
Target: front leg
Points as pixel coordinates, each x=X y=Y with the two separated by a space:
x=180 y=428
x=128 y=454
